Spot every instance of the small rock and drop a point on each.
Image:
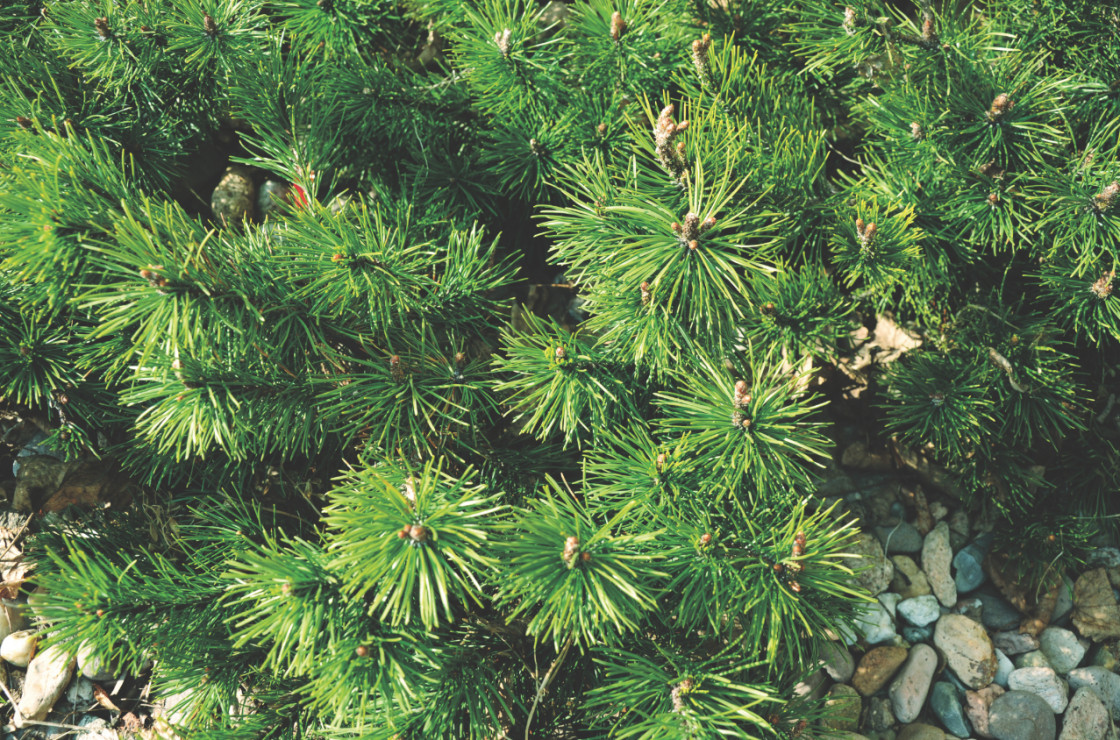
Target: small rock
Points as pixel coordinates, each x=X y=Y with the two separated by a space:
x=875 y=623
x=18 y=647
x=969 y=565
x=812 y=687
x=909 y=689
x=1095 y=613
x=909 y=580
x=971 y=608
x=936 y=558
x=1107 y=656
x=859 y=455
x=977 y=704
x=958 y=529
x=873 y=570
x=232 y=201
x=836 y=661
x=93 y=666
x=47 y=676
x=1086 y=718
x=890 y=601
x=967 y=648
x=80 y=691
x=877 y=667
x=1105 y=683
x=917 y=634
x=1004 y=666
x=1104 y=557
x=998 y=614
x=901 y=538
x=1033 y=659
x=920 y=610
x=95 y=728
x=1043 y=682
x=843 y=708
x=1014 y=643
x=920 y=731
x=1020 y=715
x=40 y=476
x=1064 y=605
x=879 y=714
x=946 y=704
x=1062 y=648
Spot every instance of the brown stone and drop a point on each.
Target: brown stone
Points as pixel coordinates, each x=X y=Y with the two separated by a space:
x=967 y=648
x=877 y=667
x=909 y=580
x=39 y=479
x=1095 y=612
x=921 y=731
x=976 y=705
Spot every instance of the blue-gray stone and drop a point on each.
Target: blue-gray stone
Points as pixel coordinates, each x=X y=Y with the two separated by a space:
x=915 y=635
x=946 y=704
x=998 y=614
x=901 y=539
x=968 y=564
x=34 y=447
x=920 y=610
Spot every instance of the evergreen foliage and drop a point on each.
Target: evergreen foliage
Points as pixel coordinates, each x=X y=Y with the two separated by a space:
x=398 y=493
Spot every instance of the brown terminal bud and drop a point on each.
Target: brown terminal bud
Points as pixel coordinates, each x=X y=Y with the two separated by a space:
x=1001 y=106
x=993 y=199
x=418 y=533
x=1102 y=288
x=706 y=539
x=361 y=651
x=395 y=369
x=676 y=227
x=618 y=26
x=602 y=129
x=778 y=568
x=402 y=534
x=209 y=25
x=662 y=458
x=795 y=586
x=768 y=308
x=460 y=358
x=560 y=353
x=645 y=293
x=101 y=25
x=916 y=132
x=694 y=245
x=25 y=122
x=585 y=556
x=571 y=549
x=1106 y=199
x=100 y=612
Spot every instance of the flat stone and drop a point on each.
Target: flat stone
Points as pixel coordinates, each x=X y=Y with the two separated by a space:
x=901 y=538
x=1062 y=648
x=875 y=623
x=879 y=714
x=971 y=608
x=1020 y=715
x=1107 y=656
x=890 y=601
x=920 y=731
x=1095 y=613
x=1105 y=683
x=909 y=689
x=998 y=613
x=937 y=555
x=967 y=648
x=968 y=564
x=877 y=667
x=1064 y=604
x=920 y=610
x=1086 y=718
x=837 y=662
x=812 y=687
x=47 y=676
x=1014 y=643
x=1004 y=666
x=873 y=570
x=917 y=634
x=1042 y=682
x=977 y=703
x=958 y=528
x=1033 y=659
x=842 y=709
x=909 y=580
x=946 y=704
